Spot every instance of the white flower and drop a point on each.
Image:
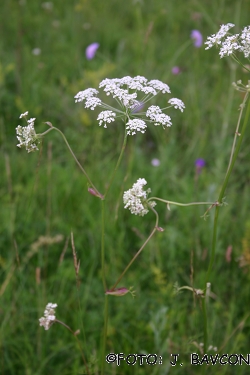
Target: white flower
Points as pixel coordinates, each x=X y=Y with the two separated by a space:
x=49 y=316
x=228 y=43
x=158 y=85
x=215 y=39
x=36 y=51
x=27 y=136
x=245 y=41
x=131 y=94
x=106 y=117
x=229 y=46
x=135 y=199
x=177 y=104
x=135 y=126
x=157 y=117
x=24 y=114
x=85 y=94
x=92 y=102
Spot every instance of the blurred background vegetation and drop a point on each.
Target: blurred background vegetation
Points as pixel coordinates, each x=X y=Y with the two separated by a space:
x=43 y=196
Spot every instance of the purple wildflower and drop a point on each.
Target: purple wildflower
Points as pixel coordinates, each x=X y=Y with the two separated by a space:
x=91 y=50
x=197 y=38
x=176 y=70
x=155 y=162
x=199 y=163
x=138 y=107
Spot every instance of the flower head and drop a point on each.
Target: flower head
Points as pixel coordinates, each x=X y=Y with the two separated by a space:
x=176 y=70
x=157 y=117
x=91 y=50
x=24 y=114
x=49 y=316
x=106 y=117
x=135 y=199
x=131 y=95
x=36 y=51
x=216 y=39
x=27 y=136
x=228 y=43
x=177 y=104
x=136 y=125
x=155 y=162
x=199 y=164
x=197 y=38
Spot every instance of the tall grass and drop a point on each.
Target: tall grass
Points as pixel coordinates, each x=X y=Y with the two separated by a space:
x=44 y=197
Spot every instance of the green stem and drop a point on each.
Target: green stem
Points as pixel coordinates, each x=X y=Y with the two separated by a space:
x=236 y=135
x=139 y=251
x=73 y=333
x=103 y=246
x=204 y=310
x=235 y=58
x=76 y=160
x=233 y=157
x=117 y=164
x=180 y=204
x=105 y=329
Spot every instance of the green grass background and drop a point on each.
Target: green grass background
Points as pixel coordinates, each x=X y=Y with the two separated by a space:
x=44 y=193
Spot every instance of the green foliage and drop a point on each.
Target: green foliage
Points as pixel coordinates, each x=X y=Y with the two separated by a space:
x=44 y=197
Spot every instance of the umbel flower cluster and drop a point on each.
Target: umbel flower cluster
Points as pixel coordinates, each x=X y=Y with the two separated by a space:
x=27 y=136
x=49 y=316
x=135 y=199
x=229 y=43
x=126 y=92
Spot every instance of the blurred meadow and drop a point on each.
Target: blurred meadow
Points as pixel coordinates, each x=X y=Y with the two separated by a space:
x=44 y=196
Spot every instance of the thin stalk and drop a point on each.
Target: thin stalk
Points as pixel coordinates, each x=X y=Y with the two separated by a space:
x=139 y=251
x=103 y=246
x=180 y=204
x=117 y=164
x=233 y=157
x=73 y=333
x=76 y=160
x=236 y=135
x=105 y=328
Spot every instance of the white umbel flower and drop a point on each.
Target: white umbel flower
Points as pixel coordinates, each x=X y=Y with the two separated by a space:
x=135 y=126
x=24 y=114
x=228 y=43
x=245 y=41
x=131 y=94
x=106 y=117
x=135 y=199
x=27 y=136
x=157 y=117
x=85 y=94
x=216 y=39
x=177 y=104
x=49 y=316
